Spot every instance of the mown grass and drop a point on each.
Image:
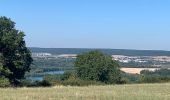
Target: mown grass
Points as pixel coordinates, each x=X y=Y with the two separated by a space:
x=114 y=92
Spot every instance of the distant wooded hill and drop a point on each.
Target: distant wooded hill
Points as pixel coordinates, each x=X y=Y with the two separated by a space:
x=126 y=52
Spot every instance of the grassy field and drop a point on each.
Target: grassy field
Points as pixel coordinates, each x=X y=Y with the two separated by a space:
x=117 y=92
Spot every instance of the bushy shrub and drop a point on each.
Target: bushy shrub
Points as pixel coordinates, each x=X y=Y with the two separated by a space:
x=130 y=78
x=158 y=76
x=29 y=83
x=4 y=82
x=97 y=66
x=53 y=79
x=160 y=72
x=44 y=83
x=153 y=79
x=123 y=80
x=68 y=75
x=25 y=82
x=79 y=82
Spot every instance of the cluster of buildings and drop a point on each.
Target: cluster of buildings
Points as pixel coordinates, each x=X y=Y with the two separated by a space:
x=127 y=59
x=161 y=58
x=140 y=59
x=49 y=55
x=41 y=55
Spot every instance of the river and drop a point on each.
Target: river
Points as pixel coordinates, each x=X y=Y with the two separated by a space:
x=40 y=78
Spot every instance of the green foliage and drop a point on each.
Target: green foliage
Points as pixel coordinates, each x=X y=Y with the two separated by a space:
x=96 y=66
x=67 y=75
x=123 y=80
x=158 y=76
x=25 y=82
x=69 y=78
x=29 y=83
x=15 y=58
x=153 y=79
x=53 y=79
x=43 y=65
x=44 y=83
x=160 y=72
x=4 y=82
x=130 y=78
x=73 y=81
x=52 y=63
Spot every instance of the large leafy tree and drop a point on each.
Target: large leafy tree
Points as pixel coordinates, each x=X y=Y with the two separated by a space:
x=97 y=66
x=15 y=58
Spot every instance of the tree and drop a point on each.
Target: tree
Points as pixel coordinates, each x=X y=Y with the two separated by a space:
x=96 y=66
x=15 y=57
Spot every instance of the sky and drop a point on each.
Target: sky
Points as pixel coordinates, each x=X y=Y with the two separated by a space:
x=116 y=24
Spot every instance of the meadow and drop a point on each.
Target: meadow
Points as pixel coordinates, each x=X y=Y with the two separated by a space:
x=109 y=92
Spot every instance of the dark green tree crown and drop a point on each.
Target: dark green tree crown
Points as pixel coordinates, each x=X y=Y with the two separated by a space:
x=15 y=58
x=97 y=66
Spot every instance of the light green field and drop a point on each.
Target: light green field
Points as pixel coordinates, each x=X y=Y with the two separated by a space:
x=117 y=92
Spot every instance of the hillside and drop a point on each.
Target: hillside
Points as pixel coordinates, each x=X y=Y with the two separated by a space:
x=125 y=52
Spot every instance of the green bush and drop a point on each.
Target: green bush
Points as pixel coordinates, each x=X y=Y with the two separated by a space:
x=160 y=72
x=25 y=82
x=130 y=78
x=153 y=79
x=158 y=76
x=53 y=79
x=29 y=83
x=44 y=83
x=97 y=66
x=68 y=75
x=123 y=80
x=79 y=82
x=4 y=82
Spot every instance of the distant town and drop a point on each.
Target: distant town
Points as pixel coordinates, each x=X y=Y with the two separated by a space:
x=120 y=58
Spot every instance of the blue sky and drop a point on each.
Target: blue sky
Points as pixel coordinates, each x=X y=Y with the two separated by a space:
x=117 y=24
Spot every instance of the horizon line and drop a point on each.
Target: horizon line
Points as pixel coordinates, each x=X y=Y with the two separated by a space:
x=99 y=48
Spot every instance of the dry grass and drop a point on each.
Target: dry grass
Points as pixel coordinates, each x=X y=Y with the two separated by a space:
x=117 y=92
